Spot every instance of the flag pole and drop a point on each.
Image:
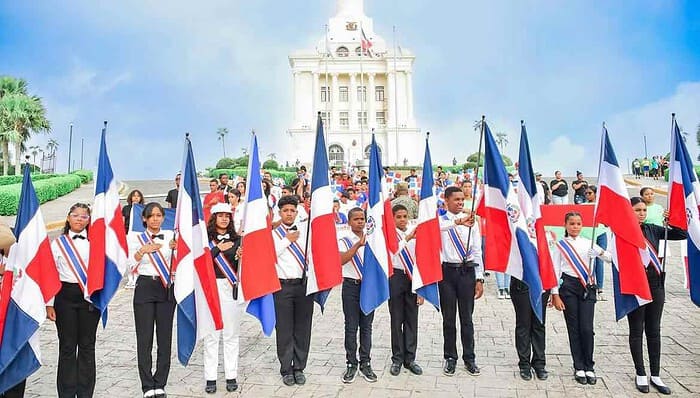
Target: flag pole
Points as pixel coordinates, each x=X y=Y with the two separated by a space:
x=308 y=224
x=476 y=174
x=396 y=101
x=362 y=97
x=328 y=88
x=668 y=194
x=591 y=261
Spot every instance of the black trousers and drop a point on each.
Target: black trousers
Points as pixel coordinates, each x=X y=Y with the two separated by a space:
x=76 y=324
x=16 y=391
x=457 y=292
x=354 y=319
x=403 y=311
x=529 y=331
x=294 y=311
x=154 y=305
x=647 y=319
x=578 y=314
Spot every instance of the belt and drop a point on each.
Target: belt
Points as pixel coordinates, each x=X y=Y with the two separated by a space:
x=352 y=280
x=152 y=277
x=399 y=270
x=295 y=281
x=468 y=264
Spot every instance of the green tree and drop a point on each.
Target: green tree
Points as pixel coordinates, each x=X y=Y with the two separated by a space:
x=34 y=150
x=222 y=132
x=226 y=163
x=271 y=164
x=51 y=147
x=20 y=116
x=472 y=159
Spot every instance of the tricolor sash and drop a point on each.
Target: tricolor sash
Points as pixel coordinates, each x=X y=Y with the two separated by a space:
x=356 y=259
x=457 y=241
x=293 y=248
x=407 y=260
x=157 y=259
x=224 y=265
x=585 y=275
x=655 y=261
x=75 y=262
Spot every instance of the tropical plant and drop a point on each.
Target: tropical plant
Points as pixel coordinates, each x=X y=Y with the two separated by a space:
x=51 y=147
x=502 y=140
x=34 y=149
x=272 y=156
x=222 y=132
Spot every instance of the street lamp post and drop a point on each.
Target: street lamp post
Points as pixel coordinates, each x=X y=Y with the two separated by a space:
x=70 y=144
x=82 y=145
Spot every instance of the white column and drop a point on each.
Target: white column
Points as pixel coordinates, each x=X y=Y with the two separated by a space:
x=410 y=122
x=353 y=102
x=334 y=102
x=297 y=104
x=371 y=116
x=315 y=95
x=389 y=95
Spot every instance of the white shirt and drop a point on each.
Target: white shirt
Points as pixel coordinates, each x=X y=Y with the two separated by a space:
x=411 y=245
x=449 y=253
x=145 y=266
x=238 y=217
x=582 y=246
x=83 y=250
x=288 y=266
x=349 y=270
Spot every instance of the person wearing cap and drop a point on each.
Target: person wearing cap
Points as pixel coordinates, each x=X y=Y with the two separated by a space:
x=225 y=252
x=579 y=186
x=293 y=308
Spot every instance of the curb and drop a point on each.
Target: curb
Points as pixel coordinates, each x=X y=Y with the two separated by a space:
x=639 y=184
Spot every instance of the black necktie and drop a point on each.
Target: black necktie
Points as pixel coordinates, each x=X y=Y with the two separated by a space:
x=159 y=236
x=222 y=237
x=78 y=236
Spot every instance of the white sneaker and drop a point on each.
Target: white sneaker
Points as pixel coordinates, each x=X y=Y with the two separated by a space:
x=501 y=294
x=149 y=394
x=508 y=294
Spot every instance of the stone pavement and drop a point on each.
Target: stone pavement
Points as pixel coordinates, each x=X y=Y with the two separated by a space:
x=117 y=374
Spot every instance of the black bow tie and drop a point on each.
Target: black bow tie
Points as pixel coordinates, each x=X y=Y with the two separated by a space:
x=78 y=236
x=159 y=236
x=222 y=237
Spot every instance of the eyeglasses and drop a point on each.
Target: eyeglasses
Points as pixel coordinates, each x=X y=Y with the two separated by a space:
x=81 y=217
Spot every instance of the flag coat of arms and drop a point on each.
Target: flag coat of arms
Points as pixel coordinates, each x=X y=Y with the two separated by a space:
x=323 y=260
x=30 y=280
x=196 y=293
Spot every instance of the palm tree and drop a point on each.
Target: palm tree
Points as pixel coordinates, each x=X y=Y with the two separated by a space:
x=272 y=156
x=51 y=146
x=502 y=140
x=245 y=151
x=8 y=86
x=221 y=132
x=34 y=150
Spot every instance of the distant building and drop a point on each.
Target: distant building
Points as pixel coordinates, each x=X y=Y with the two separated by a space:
x=355 y=91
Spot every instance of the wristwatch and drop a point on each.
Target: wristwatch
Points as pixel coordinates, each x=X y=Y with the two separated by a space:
x=480 y=280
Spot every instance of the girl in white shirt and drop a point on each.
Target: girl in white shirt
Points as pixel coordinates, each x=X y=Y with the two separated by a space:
x=577 y=294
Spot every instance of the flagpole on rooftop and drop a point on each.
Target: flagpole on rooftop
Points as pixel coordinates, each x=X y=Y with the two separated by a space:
x=668 y=194
x=476 y=174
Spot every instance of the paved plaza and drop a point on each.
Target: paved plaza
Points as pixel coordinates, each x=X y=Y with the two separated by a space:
x=117 y=374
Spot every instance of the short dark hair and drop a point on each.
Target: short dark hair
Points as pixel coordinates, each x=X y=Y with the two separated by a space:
x=451 y=190
x=398 y=208
x=288 y=188
x=222 y=174
x=214 y=180
x=288 y=200
x=355 y=210
x=644 y=189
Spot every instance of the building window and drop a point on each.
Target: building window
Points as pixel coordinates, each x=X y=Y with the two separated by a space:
x=343 y=93
x=342 y=52
x=325 y=116
x=381 y=119
x=362 y=118
x=325 y=94
x=379 y=93
x=344 y=120
x=336 y=155
x=369 y=147
x=362 y=93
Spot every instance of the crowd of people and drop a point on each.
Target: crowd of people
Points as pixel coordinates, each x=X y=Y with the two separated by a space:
x=463 y=269
x=654 y=167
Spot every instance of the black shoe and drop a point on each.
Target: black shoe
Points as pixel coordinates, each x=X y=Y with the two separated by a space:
x=526 y=374
x=580 y=379
x=368 y=373
x=210 y=387
x=541 y=374
x=449 y=368
x=395 y=369
x=661 y=389
x=299 y=377
x=472 y=368
x=231 y=385
x=414 y=368
x=591 y=379
x=641 y=387
x=288 y=380
x=349 y=375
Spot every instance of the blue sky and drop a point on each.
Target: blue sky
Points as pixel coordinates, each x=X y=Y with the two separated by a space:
x=158 y=69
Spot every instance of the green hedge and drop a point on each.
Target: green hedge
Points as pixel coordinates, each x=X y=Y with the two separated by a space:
x=8 y=180
x=47 y=189
x=697 y=172
x=241 y=171
x=85 y=175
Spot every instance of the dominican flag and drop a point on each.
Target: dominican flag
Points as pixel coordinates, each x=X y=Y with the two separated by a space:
x=323 y=260
x=29 y=282
x=366 y=44
x=428 y=270
x=684 y=197
x=376 y=268
x=196 y=294
x=626 y=244
x=257 y=265
x=510 y=245
x=108 y=249
x=530 y=208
